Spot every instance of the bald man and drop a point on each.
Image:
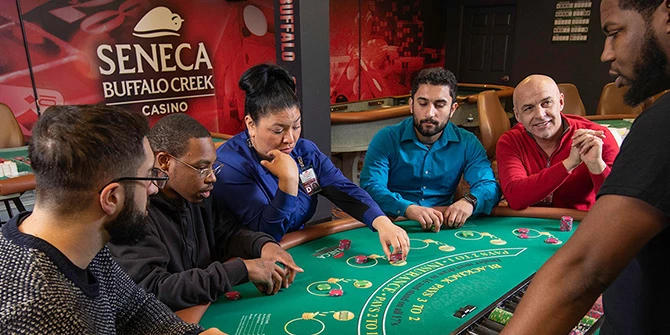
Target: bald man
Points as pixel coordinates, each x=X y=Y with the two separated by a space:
x=549 y=158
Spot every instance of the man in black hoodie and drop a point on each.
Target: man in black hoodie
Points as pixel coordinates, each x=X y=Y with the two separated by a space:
x=194 y=252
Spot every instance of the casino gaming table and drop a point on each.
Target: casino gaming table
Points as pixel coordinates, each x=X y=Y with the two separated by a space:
x=619 y=123
x=22 y=183
x=446 y=271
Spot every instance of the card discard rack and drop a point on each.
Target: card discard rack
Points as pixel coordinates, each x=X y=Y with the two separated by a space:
x=492 y=319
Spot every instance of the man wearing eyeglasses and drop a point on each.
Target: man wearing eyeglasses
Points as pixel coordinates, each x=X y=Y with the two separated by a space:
x=94 y=171
x=194 y=252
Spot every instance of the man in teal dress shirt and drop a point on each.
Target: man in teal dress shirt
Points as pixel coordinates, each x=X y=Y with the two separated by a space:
x=414 y=166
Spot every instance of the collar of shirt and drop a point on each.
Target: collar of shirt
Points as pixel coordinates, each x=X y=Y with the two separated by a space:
x=448 y=135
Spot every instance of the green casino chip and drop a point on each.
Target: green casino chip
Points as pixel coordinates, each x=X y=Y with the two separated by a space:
x=500 y=316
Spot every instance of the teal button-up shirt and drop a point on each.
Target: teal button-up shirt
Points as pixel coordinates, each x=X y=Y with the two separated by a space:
x=400 y=171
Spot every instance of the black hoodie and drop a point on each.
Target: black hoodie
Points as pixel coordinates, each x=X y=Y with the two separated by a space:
x=181 y=261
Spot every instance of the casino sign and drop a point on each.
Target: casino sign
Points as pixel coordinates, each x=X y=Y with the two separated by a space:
x=151 y=70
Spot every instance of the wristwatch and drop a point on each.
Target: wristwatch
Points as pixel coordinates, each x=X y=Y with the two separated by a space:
x=471 y=199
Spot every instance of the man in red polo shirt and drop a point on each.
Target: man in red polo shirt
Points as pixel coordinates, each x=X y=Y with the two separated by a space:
x=540 y=159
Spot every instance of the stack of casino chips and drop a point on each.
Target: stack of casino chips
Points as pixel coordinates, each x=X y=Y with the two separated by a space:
x=500 y=316
x=345 y=244
x=566 y=223
x=360 y=259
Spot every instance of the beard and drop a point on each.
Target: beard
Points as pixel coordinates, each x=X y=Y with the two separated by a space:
x=128 y=228
x=649 y=72
x=418 y=125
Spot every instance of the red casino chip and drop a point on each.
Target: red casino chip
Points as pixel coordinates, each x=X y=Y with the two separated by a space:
x=361 y=259
x=233 y=295
x=336 y=293
x=395 y=257
x=345 y=244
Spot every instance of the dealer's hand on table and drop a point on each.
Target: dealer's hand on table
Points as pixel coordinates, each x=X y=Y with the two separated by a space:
x=278 y=254
x=391 y=235
x=426 y=216
x=590 y=145
x=456 y=214
x=265 y=274
x=285 y=168
x=213 y=331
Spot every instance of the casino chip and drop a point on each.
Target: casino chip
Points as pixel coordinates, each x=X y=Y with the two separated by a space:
x=447 y=248
x=395 y=257
x=362 y=284
x=566 y=223
x=345 y=244
x=500 y=316
x=552 y=240
x=336 y=293
x=360 y=259
x=323 y=287
x=233 y=295
x=523 y=235
x=522 y=230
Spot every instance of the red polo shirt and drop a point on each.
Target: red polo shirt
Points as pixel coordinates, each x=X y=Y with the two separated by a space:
x=528 y=177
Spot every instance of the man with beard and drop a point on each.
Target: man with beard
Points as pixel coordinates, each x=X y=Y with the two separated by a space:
x=182 y=260
x=540 y=158
x=94 y=170
x=417 y=164
x=622 y=244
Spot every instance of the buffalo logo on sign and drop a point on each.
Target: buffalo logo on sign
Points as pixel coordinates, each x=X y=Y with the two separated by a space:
x=160 y=21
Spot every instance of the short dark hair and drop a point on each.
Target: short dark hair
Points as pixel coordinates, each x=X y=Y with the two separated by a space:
x=269 y=89
x=171 y=134
x=644 y=7
x=436 y=76
x=77 y=149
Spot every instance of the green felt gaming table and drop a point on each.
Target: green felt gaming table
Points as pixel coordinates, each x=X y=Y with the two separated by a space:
x=474 y=265
x=26 y=180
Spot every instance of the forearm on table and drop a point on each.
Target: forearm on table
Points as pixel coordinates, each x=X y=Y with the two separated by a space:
x=487 y=194
x=603 y=244
x=556 y=299
x=195 y=286
x=522 y=191
x=246 y=244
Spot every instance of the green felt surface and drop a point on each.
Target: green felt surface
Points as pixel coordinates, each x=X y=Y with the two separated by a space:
x=11 y=154
x=421 y=296
x=618 y=123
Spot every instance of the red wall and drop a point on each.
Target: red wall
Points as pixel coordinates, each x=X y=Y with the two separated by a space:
x=100 y=51
x=215 y=43
x=376 y=47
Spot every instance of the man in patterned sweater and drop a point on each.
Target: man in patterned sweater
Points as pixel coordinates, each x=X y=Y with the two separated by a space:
x=94 y=170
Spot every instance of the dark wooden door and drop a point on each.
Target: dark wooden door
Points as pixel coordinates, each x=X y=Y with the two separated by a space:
x=487 y=41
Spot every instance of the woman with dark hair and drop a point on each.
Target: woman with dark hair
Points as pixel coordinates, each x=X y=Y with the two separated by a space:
x=271 y=176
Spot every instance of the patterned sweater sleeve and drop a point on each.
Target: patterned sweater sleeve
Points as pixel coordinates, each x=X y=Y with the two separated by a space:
x=141 y=313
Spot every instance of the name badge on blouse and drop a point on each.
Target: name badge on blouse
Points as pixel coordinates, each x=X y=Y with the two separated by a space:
x=308 y=179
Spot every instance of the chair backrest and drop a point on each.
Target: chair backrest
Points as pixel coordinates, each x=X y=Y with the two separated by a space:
x=611 y=101
x=647 y=103
x=493 y=121
x=573 y=101
x=11 y=135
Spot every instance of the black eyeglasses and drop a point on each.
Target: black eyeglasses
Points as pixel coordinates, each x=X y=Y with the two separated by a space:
x=157 y=177
x=203 y=173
